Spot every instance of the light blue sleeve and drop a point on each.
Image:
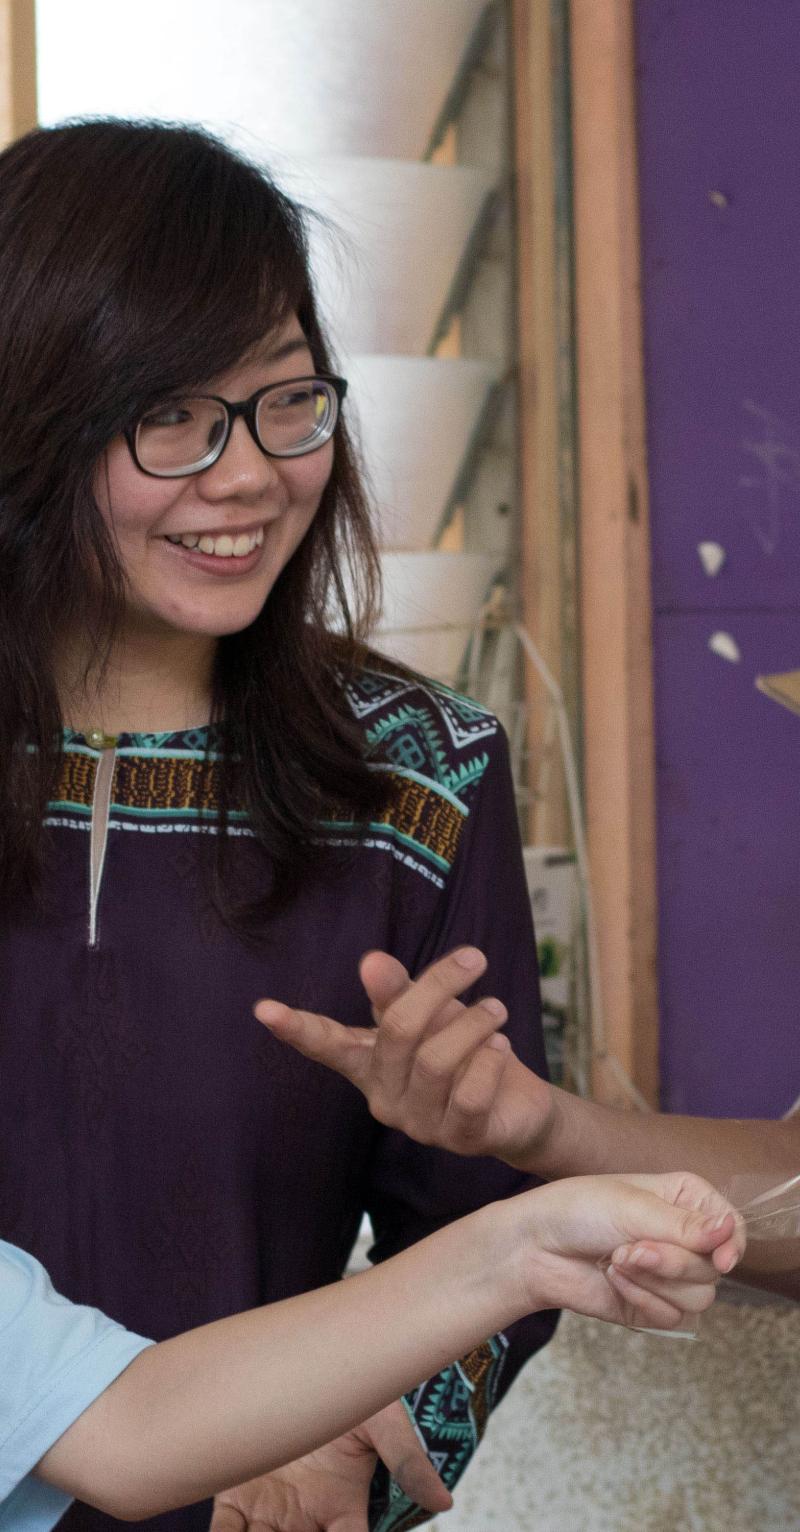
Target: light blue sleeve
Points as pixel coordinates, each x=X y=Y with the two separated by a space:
x=55 y=1358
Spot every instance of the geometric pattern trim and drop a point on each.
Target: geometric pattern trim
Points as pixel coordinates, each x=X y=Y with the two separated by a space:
x=423 y=818
x=157 y=783
x=430 y=741
x=449 y=1414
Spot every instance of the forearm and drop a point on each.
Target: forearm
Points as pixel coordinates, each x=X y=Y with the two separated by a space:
x=237 y=1398
x=585 y=1138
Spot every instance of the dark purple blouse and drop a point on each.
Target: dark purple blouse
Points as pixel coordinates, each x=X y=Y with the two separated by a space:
x=166 y=1158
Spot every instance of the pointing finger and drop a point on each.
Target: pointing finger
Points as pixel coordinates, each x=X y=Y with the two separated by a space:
x=348 y=1050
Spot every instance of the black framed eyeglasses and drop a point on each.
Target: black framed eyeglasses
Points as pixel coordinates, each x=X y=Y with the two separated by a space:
x=187 y=433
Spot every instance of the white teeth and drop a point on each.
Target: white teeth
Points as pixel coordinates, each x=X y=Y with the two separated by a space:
x=222 y=547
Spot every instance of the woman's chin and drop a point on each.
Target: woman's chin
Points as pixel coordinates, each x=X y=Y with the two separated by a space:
x=192 y=620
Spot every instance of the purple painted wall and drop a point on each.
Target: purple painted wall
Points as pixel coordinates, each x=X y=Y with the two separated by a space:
x=719 y=145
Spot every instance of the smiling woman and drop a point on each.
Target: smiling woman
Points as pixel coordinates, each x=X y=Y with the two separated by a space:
x=211 y=790
x=231 y=488
x=111 y=336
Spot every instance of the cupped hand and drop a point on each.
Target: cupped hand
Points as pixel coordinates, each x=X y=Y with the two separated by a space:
x=440 y=1071
x=642 y=1250
x=328 y=1491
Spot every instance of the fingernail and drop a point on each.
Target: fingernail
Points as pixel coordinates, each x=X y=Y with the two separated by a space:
x=729 y=1264
x=498 y=1041
x=641 y=1256
x=494 y=1007
x=468 y=957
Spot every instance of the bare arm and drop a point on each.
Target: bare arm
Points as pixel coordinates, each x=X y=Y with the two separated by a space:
x=599 y=1139
x=236 y=1398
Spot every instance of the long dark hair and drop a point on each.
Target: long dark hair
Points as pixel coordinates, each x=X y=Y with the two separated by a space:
x=138 y=259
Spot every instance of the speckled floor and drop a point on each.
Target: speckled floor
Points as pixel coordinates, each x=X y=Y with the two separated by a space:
x=608 y=1431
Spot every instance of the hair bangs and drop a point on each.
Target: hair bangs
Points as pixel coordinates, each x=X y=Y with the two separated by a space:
x=218 y=263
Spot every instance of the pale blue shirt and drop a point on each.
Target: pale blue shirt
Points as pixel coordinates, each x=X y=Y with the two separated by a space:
x=55 y=1358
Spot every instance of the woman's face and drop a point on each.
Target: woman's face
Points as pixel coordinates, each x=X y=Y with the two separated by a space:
x=267 y=504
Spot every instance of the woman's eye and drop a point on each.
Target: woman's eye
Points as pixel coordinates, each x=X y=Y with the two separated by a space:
x=287 y=401
x=169 y=415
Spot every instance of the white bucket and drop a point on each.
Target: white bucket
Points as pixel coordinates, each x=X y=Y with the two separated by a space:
x=432 y=602
x=384 y=272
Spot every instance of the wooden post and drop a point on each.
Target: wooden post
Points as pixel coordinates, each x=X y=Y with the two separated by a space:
x=17 y=69
x=615 y=596
x=541 y=326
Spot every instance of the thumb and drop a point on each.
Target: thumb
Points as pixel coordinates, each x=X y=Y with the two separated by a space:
x=658 y=1218
x=348 y=1050
x=384 y=979
x=419 y=1480
x=398 y=1446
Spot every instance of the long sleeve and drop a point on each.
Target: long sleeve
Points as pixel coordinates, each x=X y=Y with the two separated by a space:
x=417 y=1189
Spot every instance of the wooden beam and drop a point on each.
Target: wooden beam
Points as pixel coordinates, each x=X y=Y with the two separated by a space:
x=18 y=112
x=615 y=595
x=540 y=584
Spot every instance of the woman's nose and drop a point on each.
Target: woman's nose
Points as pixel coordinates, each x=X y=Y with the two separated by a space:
x=242 y=469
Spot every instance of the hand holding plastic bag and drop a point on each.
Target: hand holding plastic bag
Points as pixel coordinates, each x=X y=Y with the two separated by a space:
x=770 y=1216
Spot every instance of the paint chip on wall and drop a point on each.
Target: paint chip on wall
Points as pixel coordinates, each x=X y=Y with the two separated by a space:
x=725 y=645
x=712 y=557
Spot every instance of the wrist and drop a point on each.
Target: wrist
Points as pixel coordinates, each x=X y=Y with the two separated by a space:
x=547 y=1150
x=488 y=1264
x=516 y=1262
x=536 y=1246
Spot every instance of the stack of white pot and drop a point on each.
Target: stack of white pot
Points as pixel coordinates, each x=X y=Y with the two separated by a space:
x=317 y=92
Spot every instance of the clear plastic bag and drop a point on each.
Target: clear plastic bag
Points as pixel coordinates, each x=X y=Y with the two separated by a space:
x=770 y=1213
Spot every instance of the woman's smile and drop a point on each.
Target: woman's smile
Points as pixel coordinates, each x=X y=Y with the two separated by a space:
x=224 y=545
x=227 y=554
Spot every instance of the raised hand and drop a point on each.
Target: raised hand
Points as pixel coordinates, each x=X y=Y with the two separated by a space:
x=440 y=1071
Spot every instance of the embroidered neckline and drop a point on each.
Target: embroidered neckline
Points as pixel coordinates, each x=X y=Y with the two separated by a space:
x=200 y=738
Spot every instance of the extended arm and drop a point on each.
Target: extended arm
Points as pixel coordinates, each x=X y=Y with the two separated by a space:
x=240 y=1396
x=600 y=1139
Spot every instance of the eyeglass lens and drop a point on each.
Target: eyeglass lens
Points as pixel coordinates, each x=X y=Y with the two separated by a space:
x=185 y=434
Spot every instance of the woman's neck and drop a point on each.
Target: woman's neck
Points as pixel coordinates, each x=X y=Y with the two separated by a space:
x=149 y=684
